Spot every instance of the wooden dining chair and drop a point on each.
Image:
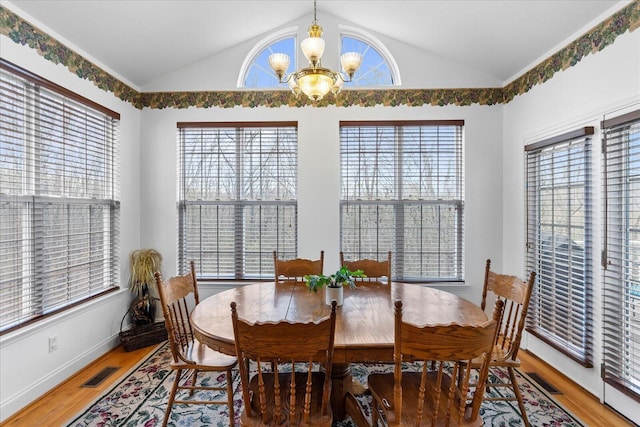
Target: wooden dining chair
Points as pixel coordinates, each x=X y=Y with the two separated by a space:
x=373 y=269
x=273 y=397
x=516 y=294
x=296 y=269
x=190 y=356
x=437 y=395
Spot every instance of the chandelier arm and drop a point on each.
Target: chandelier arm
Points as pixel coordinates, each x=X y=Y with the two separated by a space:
x=286 y=78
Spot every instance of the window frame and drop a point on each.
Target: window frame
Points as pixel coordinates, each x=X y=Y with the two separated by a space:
x=262 y=45
x=621 y=296
x=401 y=205
x=543 y=254
x=380 y=48
x=285 y=242
x=38 y=151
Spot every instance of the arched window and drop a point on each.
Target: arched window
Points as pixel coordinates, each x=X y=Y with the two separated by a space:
x=373 y=71
x=378 y=68
x=256 y=72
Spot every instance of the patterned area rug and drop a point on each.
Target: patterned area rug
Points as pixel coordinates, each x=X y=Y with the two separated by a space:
x=140 y=397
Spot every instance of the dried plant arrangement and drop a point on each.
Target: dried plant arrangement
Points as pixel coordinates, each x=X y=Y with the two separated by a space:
x=143 y=264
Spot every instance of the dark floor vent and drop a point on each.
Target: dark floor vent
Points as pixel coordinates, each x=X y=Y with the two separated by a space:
x=100 y=376
x=543 y=383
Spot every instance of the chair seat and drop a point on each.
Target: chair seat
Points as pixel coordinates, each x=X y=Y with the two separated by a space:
x=315 y=419
x=381 y=385
x=204 y=359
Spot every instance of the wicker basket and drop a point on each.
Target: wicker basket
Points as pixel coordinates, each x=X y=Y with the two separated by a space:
x=142 y=335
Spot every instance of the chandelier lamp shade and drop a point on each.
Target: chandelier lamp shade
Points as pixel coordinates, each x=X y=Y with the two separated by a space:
x=315 y=81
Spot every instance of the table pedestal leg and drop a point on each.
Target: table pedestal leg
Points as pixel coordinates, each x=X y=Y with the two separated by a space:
x=340 y=386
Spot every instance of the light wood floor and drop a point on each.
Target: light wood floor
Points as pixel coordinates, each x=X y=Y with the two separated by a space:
x=582 y=404
x=66 y=400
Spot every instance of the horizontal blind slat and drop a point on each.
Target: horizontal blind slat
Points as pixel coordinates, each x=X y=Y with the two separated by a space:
x=402 y=191
x=621 y=278
x=58 y=200
x=238 y=191
x=559 y=212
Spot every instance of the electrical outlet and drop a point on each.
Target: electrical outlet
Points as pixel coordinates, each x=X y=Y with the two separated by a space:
x=53 y=343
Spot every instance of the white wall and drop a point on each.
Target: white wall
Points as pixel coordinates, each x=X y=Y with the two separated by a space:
x=418 y=69
x=579 y=96
x=319 y=176
x=84 y=333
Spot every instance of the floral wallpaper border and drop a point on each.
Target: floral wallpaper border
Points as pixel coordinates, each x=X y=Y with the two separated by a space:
x=22 y=32
x=601 y=36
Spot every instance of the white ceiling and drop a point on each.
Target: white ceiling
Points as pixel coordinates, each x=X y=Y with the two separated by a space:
x=142 y=40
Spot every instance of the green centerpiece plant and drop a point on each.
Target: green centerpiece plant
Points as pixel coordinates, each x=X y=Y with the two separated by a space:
x=342 y=277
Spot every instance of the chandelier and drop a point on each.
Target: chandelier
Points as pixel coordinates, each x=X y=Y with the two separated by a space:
x=315 y=81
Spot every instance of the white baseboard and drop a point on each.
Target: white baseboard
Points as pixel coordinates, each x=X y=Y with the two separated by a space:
x=28 y=395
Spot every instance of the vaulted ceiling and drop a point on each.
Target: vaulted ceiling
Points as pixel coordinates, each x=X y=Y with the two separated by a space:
x=143 y=40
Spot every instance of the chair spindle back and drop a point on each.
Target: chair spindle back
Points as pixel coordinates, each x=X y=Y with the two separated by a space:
x=291 y=397
x=373 y=269
x=437 y=395
x=296 y=269
x=175 y=293
x=516 y=294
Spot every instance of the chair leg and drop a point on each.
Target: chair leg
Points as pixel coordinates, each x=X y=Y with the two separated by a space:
x=352 y=408
x=229 y=380
x=172 y=396
x=374 y=412
x=193 y=380
x=516 y=391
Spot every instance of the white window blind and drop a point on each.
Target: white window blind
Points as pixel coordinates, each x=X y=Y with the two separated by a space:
x=621 y=258
x=237 y=201
x=402 y=190
x=559 y=239
x=59 y=203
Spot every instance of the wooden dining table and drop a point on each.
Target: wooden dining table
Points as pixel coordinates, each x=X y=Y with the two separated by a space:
x=364 y=324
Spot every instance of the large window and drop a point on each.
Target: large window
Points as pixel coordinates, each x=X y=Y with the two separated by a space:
x=59 y=203
x=621 y=260
x=402 y=191
x=559 y=238
x=237 y=201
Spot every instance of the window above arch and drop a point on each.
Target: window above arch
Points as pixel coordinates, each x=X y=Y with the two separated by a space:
x=378 y=68
x=374 y=69
x=256 y=72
